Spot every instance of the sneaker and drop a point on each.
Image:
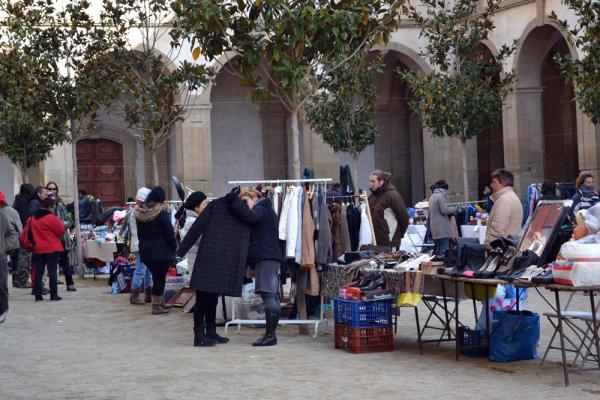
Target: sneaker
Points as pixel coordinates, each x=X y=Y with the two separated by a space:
x=3 y=316
x=71 y=288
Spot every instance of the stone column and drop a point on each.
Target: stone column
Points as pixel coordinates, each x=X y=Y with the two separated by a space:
x=524 y=137
x=193 y=154
x=588 y=144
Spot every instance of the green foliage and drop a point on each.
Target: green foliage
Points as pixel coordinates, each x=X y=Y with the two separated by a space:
x=282 y=45
x=464 y=93
x=585 y=72
x=342 y=113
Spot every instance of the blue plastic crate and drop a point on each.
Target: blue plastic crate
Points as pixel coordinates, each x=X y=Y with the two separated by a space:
x=363 y=314
x=473 y=342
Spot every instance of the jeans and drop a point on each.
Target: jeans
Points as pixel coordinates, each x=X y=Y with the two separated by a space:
x=65 y=264
x=159 y=276
x=3 y=284
x=42 y=261
x=141 y=273
x=441 y=245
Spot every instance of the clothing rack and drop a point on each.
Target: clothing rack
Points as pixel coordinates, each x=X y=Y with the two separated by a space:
x=466 y=203
x=167 y=202
x=303 y=320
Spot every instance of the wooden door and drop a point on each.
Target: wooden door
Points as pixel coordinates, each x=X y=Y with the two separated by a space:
x=100 y=163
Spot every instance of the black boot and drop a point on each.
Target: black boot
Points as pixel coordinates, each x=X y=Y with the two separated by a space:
x=211 y=332
x=270 y=339
x=200 y=338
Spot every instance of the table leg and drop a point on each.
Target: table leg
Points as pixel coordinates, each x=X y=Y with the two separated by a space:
x=595 y=322
x=446 y=308
x=562 y=337
x=473 y=301
x=487 y=316
x=456 y=316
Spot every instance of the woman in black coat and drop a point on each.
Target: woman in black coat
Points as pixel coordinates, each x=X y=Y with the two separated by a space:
x=219 y=267
x=157 y=243
x=264 y=254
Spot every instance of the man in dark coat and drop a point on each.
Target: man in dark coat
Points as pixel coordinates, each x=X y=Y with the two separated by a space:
x=219 y=267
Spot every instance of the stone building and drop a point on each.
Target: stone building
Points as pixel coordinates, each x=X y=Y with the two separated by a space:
x=543 y=134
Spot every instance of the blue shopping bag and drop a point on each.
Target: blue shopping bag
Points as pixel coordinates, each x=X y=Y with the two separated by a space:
x=515 y=336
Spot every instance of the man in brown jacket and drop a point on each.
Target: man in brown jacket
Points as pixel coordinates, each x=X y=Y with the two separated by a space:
x=507 y=212
x=388 y=211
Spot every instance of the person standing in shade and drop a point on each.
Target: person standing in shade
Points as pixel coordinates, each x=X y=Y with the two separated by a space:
x=63 y=260
x=141 y=273
x=439 y=217
x=194 y=205
x=264 y=254
x=12 y=246
x=388 y=212
x=507 y=212
x=157 y=243
x=47 y=231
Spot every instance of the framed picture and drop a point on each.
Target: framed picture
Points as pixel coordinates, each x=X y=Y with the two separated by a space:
x=543 y=227
x=183 y=297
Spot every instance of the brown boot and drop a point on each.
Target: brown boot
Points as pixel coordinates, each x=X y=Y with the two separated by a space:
x=134 y=298
x=157 y=307
x=148 y=294
x=166 y=306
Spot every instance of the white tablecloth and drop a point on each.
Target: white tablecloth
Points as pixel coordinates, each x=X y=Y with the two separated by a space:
x=469 y=231
x=100 y=250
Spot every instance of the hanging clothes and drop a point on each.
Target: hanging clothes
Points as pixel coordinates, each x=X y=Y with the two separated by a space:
x=323 y=249
x=531 y=199
x=298 y=250
x=353 y=218
x=344 y=232
x=364 y=236
x=277 y=196
x=346 y=182
x=307 y=257
x=291 y=236
x=336 y=245
x=283 y=217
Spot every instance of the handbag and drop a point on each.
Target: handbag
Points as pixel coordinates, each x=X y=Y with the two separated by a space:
x=515 y=336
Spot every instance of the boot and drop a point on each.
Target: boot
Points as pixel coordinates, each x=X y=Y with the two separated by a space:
x=211 y=332
x=269 y=339
x=157 y=307
x=134 y=298
x=166 y=306
x=201 y=339
x=148 y=295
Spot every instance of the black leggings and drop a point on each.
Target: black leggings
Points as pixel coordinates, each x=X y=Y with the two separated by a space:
x=65 y=265
x=205 y=310
x=159 y=276
x=43 y=261
x=271 y=301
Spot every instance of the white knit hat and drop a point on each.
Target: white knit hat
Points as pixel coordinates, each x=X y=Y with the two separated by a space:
x=142 y=193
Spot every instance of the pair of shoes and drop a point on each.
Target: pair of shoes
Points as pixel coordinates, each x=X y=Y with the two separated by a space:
x=269 y=339
x=490 y=266
x=55 y=298
x=201 y=339
x=531 y=273
x=157 y=305
x=545 y=277
x=134 y=297
x=45 y=291
x=71 y=288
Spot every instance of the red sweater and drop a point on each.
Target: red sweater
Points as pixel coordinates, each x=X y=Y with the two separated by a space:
x=47 y=231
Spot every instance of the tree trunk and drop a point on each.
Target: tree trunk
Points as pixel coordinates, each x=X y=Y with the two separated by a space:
x=464 y=168
x=295 y=135
x=77 y=241
x=154 y=168
x=23 y=172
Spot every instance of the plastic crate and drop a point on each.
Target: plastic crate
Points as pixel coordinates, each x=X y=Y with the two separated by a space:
x=473 y=342
x=364 y=340
x=363 y=314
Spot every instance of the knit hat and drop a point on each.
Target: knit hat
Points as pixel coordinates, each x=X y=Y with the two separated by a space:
x=194 y=200
x=156 y=195
x=142 y=193
x=2 y=198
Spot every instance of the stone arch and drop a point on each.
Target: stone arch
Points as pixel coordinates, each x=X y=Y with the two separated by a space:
x=399 y=143
x=546 y=113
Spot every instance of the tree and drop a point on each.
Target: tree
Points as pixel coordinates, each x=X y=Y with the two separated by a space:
x=284 y=48
x=585 y=72
x=465 y=92
x=73 y=43
x=155 y=93
x=342 y=113
x=29 y=127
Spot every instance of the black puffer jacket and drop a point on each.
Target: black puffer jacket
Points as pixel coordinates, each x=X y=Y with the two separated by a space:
x=264 y=237
x=155 y=233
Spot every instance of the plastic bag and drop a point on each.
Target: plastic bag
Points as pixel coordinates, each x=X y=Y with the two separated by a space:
x=583 y=263
x=515 y=336
x=592 y=219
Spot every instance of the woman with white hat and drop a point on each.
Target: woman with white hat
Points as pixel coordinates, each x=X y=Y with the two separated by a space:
x=141 y=273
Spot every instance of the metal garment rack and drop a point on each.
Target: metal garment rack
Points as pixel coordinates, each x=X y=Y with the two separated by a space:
x=300 y=301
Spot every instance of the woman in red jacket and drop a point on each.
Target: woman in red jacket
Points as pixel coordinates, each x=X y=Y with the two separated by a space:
x=47 y=230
